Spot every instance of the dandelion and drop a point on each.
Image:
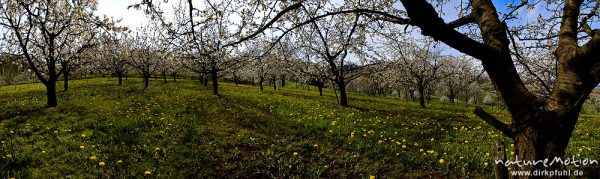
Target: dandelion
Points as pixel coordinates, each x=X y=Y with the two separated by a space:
x=421 y=150
x=485 y=164
x=352 y=134
x=430 y=151
x=93 y=157
x=316 y=145
x=83 y=135
x=441 y=161
x=82 y=147
x=371 y=177
x=333 y=123
x=461 y=157
x=120 y=162
x=295 y=153
x=487 y=154
x=147 y=173
x=101 y=164
x=403 y=146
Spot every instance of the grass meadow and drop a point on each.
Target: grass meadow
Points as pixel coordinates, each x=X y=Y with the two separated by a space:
x=179 y=129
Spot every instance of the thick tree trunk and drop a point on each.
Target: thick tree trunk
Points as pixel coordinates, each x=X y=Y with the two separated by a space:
x=546 y=137
x=164 y=75
x=215 y=82
x=120 y=76
x=282 y=80
x=174 y=77
x=51 y=93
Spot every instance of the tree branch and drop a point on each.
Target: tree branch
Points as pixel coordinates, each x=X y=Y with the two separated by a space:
x=488 y=118
x=470 y=18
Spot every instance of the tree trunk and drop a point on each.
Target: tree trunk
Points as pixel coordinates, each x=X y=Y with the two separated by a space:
x=146 y=79
x=215 y=82
x=320 y=86
x=274 y=82
x=205 y=80
x=282 y=80
x=422 y=96
x=542 y=139
x=260 y=82
x=66 y=82
x=174 y=77
x=164 y=75
x=51 y=93
x=343 y=97
x=120 y=76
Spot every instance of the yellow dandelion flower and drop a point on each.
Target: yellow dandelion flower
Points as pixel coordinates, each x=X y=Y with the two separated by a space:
x=119 y=161
x=403 y=146
x=421 y=150
x=93 y=157
x=101 y=164
x=441 y=161
x=485 y=164
x=371 y=177
x=461 y=157
x=147 y=173
x=316 y=145
x=82 y=147
x=430 y=151
x=295 y=153
x=82 y=135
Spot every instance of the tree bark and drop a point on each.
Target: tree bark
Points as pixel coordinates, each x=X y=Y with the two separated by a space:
x=174 y=77
x=51 y=93
x=120 y=76
x=421 y=96
x=146 y=79
x=282 y=80
x=260 y=82
x=320 y=86
x=274 y=83
x=164 y=75
x=343 y=96
x=215 y=82
x=205 y=80
x=66 y=74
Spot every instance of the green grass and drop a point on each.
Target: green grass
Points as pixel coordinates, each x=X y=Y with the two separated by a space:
x=180 y=129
